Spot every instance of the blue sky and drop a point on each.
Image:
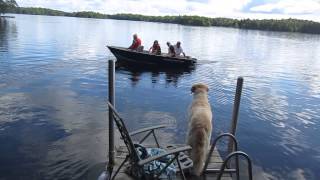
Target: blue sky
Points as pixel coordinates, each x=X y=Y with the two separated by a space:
x=258 y=9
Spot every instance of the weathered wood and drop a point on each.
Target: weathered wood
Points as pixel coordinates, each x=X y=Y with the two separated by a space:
x=111 y=96
x=235 y=113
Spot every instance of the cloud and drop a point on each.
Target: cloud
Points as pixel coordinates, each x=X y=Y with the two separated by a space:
x=150 y=7
x=258 y=9
x=65 y=5
x=290 y=7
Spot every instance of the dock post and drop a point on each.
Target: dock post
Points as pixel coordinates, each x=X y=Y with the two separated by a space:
x=111 y=83
x=235 y=112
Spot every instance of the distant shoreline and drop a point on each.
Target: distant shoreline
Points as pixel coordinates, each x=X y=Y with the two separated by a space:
x=282 y=25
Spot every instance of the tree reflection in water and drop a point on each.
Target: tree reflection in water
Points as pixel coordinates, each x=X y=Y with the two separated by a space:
x=8 y=29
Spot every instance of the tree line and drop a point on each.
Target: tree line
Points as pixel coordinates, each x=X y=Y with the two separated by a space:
x=7 y=5
x=284 y=25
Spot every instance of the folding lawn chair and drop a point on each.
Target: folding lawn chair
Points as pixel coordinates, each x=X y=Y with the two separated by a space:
x=137 y=165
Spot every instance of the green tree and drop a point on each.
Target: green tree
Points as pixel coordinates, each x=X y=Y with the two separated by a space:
x=2 y=6
x=6 y=5
x=285 y=25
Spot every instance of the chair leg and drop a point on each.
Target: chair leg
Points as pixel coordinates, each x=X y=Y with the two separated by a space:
x=117 y=171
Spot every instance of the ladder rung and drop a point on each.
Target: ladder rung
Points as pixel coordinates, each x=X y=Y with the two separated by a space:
x=218 y=170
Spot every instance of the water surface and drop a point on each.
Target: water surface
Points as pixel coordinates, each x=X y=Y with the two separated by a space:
x=53 y=91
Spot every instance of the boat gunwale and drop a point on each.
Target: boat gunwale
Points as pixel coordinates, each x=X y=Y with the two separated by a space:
x=192 y=60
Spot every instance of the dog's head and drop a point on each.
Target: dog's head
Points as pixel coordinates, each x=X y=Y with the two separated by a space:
x=199 y=87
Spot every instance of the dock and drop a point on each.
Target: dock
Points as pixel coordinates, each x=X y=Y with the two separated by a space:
x=215 y=163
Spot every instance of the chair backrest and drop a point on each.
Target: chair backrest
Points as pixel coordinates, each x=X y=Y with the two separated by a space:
x=133 y=155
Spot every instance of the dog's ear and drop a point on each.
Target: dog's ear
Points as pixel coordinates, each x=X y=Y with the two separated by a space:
x=207 y=88
x=193 y=88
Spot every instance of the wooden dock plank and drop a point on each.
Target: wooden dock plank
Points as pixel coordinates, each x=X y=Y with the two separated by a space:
x=215 y=163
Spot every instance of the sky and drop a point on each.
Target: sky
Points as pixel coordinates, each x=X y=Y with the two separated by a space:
x=254 y=9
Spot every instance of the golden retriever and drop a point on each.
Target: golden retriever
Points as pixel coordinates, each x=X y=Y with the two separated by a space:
x=200 y=127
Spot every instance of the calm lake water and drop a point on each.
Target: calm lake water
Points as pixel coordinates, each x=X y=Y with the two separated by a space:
x=53 y=91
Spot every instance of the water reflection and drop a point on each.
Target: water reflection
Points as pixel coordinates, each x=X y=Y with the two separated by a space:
x=8 y=31
x=53 y=88
x=172 y=75
x=26 y=131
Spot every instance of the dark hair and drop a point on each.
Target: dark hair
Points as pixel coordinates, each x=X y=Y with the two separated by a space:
x=171 y=48
x=155 y=43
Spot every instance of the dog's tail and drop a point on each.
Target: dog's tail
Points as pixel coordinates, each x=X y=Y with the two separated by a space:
x=199 y=150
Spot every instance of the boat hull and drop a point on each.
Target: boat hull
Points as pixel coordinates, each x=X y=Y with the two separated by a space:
x=131 y=56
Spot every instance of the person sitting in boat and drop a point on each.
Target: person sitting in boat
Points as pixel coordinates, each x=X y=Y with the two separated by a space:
x=171 y=52
x=168 y=44
x=178 y=49
x=136 y=43
x=155 y=48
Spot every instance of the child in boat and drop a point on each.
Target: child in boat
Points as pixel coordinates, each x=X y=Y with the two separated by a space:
x=168 y=44
x=171 y=52
x=155 y=48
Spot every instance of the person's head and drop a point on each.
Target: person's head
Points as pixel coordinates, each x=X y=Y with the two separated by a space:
x=178 y=44
x=155 y=43
x=168 y=43
x=171 y=48
x=135 y=36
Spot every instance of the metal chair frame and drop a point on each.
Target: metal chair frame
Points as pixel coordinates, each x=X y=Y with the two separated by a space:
x=135 y=162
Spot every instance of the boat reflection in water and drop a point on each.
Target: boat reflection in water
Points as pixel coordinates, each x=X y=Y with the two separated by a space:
x=172 y=74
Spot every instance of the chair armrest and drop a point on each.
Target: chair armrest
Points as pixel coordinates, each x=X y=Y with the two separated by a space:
x=169 y=152
x=147 y=129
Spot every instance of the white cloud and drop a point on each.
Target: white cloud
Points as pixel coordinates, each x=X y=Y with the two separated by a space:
x=68 y=5
x=169 y=7
x=306 y=9
x=151 y=7
x=290 y=7
x=216 y=7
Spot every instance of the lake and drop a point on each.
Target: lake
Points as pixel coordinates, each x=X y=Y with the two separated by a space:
x=53 y=92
